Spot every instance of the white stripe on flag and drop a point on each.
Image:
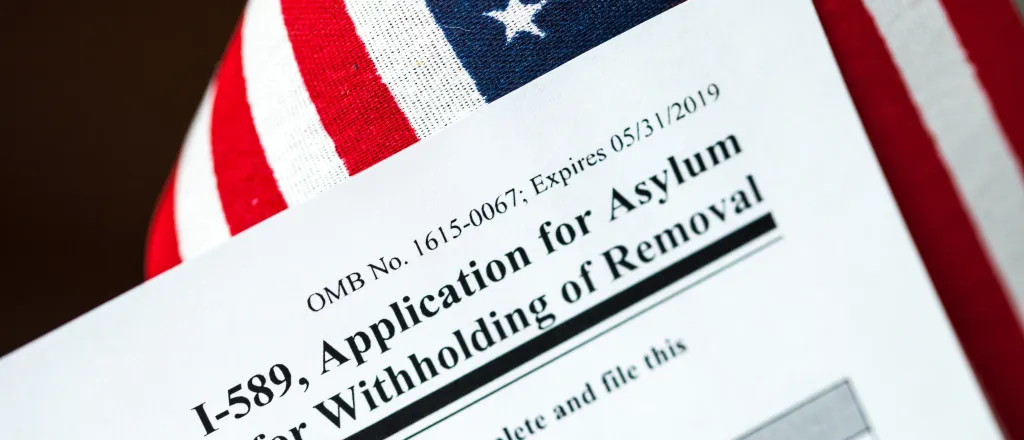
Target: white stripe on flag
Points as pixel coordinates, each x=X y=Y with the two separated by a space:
x=298 y=149
x=960 y=117
x=416 y=62
x=198 y=213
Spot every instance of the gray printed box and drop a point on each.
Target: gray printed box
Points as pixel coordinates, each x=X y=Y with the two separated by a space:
x=832 y=414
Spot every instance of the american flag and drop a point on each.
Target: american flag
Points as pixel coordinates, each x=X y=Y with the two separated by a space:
x=310 y=92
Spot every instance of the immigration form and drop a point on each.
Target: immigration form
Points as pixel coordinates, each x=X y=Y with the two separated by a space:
x=682 y=233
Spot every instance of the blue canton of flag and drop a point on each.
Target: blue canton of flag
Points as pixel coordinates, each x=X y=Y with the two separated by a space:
x=504 y=44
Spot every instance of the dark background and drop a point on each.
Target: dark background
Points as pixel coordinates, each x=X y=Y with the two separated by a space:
x=98 y=96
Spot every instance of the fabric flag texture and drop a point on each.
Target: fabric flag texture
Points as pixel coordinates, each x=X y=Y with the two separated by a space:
x=310 y=92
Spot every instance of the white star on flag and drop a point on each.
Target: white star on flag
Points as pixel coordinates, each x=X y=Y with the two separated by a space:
x=518 y=17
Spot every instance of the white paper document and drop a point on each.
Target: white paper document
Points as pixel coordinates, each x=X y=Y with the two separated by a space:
x=682 y=233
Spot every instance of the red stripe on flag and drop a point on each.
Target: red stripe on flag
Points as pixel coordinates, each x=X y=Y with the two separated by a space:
x=355 y=106
x=974 y=299
x=162 y=243
x=248 y=190
x=993 y=37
